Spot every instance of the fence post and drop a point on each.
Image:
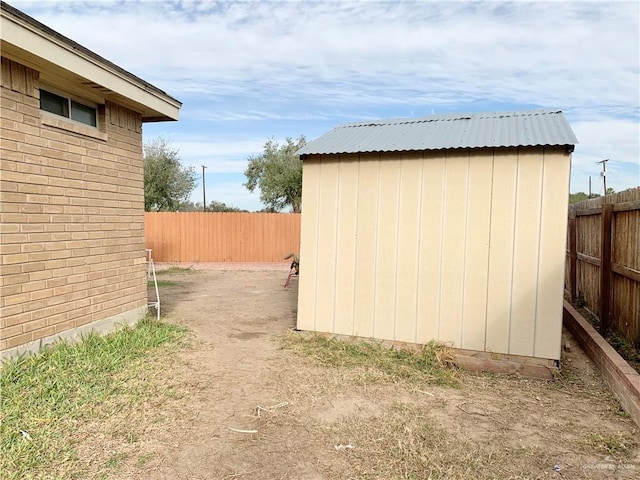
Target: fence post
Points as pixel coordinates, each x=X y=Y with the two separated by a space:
x=605 y=268
x=573 y=255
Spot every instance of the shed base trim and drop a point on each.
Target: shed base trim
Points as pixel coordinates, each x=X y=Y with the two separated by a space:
x=473 y=360
x=530 y=367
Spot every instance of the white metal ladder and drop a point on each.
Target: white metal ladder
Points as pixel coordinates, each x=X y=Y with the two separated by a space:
x=151 y=273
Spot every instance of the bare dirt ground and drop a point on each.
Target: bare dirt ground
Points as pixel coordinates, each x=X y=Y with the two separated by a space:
x=310 y=422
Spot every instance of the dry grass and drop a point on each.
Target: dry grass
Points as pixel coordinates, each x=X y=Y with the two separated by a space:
x=396 y=414
x=429 y=365
x=173 y=270
x=406 y=443
x=616 y=444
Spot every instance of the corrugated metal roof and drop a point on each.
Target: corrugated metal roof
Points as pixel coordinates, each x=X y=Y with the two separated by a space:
x=437 y=132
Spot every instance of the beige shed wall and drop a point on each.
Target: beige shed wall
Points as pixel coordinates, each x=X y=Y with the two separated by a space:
x=463 y=246
x=71 y=216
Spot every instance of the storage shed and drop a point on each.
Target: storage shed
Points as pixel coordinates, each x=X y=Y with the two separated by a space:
x=447 y=227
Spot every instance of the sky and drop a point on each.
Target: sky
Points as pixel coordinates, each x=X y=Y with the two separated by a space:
x=250 y=71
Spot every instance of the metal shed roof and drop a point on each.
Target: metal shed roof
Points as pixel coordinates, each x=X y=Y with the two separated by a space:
x=437 y=132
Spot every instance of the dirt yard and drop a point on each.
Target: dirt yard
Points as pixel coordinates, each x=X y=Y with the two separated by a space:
x=241 y=405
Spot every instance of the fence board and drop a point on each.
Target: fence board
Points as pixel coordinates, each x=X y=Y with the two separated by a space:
x=221 y=237
x=605 y=267
x=622 y=242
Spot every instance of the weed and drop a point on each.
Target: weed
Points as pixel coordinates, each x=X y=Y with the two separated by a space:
x=47 y=395
x=143 y=459
x=116 y=460
x=622 y=413
x=130 y=437
x=427 y=365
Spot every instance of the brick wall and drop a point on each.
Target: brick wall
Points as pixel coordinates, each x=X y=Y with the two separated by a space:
x=71 y=216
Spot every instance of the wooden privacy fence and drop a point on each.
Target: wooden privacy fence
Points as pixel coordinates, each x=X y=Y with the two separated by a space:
x=603 y=267
x=221 y=237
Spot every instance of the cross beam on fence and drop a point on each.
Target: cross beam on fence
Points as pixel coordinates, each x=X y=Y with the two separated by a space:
x=618 y=243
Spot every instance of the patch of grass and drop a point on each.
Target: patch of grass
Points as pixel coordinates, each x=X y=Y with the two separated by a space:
x=45 y=397
x=175 y=270
x=116 y=460
x=618 y=444
x=428 y=365
x=162 y=283
x=143 y=459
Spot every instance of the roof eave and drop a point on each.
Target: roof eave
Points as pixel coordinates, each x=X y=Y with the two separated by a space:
x=26 y=34
x=569 y=147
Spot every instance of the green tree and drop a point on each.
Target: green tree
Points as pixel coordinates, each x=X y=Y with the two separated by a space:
x=167 y=183
x=189 y=206
x=277 y=172
x=578 y=197
x=581 y=196
x=216 y=206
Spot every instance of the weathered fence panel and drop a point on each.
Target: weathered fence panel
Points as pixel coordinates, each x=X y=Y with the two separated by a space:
x=221 y=237
x=603 y=260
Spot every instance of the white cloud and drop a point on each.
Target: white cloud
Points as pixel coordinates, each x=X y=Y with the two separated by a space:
x=373 y=53
x=297 y=65
x=212 y=115
x=218 y=156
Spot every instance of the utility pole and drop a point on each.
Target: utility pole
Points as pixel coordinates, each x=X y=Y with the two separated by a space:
x=204 y=195
x=603 y=174
x=589 y=186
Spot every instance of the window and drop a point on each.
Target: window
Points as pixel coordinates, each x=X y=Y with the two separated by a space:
x=50 y=102
x=83 y=113
x=65 y=107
